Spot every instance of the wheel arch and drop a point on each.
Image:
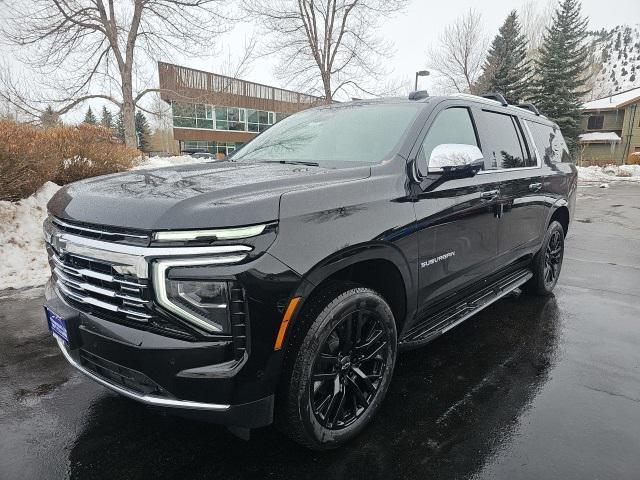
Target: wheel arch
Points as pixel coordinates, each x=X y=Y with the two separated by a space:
x=379 y=266
x=560 y=212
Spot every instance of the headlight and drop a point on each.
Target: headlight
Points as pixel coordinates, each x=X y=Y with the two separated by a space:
x=204 y=303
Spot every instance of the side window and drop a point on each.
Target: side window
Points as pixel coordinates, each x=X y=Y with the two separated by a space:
x=549 y=142
x=452 y=125
x=506 y=146
x=595 y=122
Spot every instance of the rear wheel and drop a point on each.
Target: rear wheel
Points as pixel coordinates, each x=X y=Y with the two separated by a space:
x=547 y=262
x=342 y=367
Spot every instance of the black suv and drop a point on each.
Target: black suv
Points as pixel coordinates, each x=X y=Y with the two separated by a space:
x=279 y=285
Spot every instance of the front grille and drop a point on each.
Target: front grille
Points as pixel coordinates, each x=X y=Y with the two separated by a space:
x=111 y=280
x=111 y=234
x=94 y=286
x=122 y=376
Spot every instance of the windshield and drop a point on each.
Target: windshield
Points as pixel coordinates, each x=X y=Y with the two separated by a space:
x=337 y=136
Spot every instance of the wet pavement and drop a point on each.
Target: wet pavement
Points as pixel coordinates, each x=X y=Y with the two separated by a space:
x=529 y=388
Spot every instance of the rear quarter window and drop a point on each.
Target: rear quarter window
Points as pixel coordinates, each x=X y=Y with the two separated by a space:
x=549 y=142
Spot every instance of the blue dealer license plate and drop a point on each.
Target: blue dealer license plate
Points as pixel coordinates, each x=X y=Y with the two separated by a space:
x=57 y=325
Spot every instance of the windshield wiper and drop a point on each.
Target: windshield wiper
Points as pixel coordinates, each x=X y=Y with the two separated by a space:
x=292 y=162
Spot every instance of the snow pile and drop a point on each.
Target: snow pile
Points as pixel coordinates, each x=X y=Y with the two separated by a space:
x=24 y=261
x=23 y=256
x=610 y=173
x=159 y=162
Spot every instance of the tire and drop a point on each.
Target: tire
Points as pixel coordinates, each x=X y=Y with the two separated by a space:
x=351 y=373
x=547 y=262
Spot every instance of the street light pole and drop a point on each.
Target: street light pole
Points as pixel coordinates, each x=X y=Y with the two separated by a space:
x=420 y=73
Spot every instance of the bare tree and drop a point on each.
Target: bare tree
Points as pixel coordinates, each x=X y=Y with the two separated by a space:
x=238 y=66
x=535 y=17
x=327 y=46
x=95 y=48
x=460 y=52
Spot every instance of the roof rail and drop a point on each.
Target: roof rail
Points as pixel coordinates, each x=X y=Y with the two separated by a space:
x=418 y=95
x=498 y=97
x=529 y=106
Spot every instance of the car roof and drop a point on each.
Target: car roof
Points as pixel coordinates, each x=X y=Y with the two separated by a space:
x=429 y=100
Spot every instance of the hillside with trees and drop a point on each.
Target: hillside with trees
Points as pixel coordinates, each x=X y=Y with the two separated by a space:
x=615 y=59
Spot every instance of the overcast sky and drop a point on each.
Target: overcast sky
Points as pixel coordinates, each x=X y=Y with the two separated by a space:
x=411 y=31
x=423 y=20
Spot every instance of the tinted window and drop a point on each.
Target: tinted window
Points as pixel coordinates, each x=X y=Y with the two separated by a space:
x=549 y=142
x=334 y=136
x=595 y=122
x=506 y=146
x=452 y=125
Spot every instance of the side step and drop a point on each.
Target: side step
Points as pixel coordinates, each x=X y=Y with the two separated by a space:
x=444 y=320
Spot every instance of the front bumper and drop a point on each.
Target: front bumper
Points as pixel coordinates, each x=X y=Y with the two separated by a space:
x=177 y=376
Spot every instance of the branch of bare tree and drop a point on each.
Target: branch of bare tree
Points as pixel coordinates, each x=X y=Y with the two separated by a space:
x=460 y=52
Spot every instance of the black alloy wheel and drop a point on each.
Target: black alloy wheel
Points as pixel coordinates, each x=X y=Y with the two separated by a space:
x=337 y=367
x=553 y=258
x=348 y=370
x=546 y=264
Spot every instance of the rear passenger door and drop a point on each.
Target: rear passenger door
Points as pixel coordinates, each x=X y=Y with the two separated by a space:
x=512 y=161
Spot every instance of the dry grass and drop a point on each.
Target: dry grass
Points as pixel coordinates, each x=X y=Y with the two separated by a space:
x=30 y=156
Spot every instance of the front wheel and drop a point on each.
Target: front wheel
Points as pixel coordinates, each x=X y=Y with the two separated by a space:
x=547 y=262
x=345 y=352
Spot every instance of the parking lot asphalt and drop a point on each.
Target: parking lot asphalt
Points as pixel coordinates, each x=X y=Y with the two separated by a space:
x=539 y=388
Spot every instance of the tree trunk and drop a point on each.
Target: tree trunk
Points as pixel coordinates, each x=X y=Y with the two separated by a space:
x=128 y=112
x=326 y=82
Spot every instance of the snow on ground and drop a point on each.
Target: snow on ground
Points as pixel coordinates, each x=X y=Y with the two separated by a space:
x=610 y=173
x=23 y=259
x=158 y=162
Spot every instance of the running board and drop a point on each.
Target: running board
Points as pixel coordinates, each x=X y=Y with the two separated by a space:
x=444 y=320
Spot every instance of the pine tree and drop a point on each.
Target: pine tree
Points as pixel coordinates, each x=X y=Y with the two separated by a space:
x=89 y=117
x=507 y=70
x=562 y=70
x=143 y=132
x=120 y=127
x=107 y=118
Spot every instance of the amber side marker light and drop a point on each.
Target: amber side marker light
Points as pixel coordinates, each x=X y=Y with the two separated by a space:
x=288 y=313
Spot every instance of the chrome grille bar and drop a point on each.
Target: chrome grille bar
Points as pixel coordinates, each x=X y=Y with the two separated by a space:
x=93 y=288
x=99 y=303
x=100 y=232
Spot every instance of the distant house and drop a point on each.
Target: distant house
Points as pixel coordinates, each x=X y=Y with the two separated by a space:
x=611 y=127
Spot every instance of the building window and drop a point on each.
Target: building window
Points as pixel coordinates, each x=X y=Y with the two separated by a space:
x=190 y=115
x=229 y=118
x=198 y=115
x=215 y=148
x=259 y=120
x=595 y=122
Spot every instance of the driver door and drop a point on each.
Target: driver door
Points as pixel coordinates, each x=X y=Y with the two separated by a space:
x=456 y=218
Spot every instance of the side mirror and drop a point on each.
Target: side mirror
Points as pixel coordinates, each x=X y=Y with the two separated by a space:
x=456 y=159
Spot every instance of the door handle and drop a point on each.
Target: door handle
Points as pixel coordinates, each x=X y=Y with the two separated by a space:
x=490 y=194
x=535 y=187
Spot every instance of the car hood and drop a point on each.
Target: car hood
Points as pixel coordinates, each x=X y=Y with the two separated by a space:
x=200 y=195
